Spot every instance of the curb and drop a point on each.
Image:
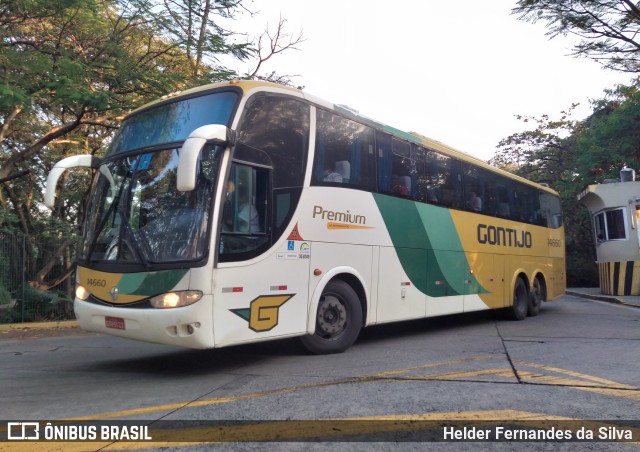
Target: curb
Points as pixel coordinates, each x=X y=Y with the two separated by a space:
x=605 y=298
x=39 y=325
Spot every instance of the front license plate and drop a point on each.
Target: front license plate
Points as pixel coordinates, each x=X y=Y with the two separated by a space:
x=116 y=323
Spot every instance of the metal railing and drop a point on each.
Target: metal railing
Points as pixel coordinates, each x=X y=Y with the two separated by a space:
x=36 y=282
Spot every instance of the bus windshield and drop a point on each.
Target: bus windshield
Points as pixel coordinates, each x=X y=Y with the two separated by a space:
x=173 y=122
x=137 y=216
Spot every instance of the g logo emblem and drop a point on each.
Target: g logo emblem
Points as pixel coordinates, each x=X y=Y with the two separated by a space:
x=262 y=314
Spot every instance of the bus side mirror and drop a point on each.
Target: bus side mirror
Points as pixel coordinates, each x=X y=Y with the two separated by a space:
x=188 y=160
x=84 y=161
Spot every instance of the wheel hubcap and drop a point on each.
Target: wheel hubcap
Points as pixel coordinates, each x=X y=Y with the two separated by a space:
x=537 y=292
x=332 y=315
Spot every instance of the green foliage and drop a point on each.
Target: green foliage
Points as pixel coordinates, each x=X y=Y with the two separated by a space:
x=5 y=295
x=608 y=29
x=543 y=153
x=611 y=139
x=38 y=305
x=68 y=70
x=583 y=153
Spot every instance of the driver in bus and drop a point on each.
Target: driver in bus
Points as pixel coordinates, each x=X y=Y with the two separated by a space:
x=248 y=218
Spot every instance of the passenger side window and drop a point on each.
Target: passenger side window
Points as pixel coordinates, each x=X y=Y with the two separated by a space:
x=273 y=135
x=442 y=180
x=344 y=152
x=474 y=189
x=245 y=213
x=397 y=172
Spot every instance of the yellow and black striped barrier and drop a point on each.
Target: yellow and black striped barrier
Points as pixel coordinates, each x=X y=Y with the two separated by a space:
x=619 y=278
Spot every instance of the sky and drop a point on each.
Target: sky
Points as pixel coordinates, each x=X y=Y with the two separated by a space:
x=458 y=72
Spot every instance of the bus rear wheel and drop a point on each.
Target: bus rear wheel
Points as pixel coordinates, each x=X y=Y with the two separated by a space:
x=536 y=298
x=338 y=320
x=518 y=310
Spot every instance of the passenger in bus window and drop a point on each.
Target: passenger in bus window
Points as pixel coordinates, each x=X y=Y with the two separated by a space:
x=330 y=175
x=398 y=186
x=474 y=203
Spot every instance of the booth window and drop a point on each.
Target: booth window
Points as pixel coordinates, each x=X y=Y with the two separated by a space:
x=610 y=225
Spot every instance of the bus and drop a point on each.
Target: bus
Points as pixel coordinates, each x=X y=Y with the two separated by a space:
x=248 y=211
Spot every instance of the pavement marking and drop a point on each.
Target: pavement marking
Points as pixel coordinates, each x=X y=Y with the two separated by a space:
x=579 y=381
x=462 y=375
x=289 y=430
x=582 y=382
x=571 y=373
x=389 y=373
x=219 y=400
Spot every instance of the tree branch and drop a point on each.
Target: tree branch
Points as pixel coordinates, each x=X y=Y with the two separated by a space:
x=276 y=45
x=36 y=146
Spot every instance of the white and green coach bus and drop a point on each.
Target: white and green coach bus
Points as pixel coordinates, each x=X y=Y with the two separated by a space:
x=248 y=211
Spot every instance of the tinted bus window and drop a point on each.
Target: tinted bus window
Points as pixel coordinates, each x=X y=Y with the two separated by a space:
x=475 y=193
x=443 y=180
x=397 y=170
x=344 y=152
x=273 y=136
x=278 y=126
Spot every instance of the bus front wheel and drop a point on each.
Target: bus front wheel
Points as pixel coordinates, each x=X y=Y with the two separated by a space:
x=518 y=310
x=338 y=320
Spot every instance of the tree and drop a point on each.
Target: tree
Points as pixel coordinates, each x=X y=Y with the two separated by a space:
x=270 y=44
x=569 y=155
x=197 y=28
x=610 y=138
x=69 y=69
x=194 y=27
x=543 y=153
x=594 y=149
x=547 y=154
x=608 y=28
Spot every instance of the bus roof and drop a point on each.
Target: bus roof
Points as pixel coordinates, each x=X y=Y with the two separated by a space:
x=250 y=85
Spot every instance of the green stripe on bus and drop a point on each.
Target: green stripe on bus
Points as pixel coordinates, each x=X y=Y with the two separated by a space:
x=428 y=247
x=150 y=283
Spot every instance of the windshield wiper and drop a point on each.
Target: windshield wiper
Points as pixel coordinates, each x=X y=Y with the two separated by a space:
x=103 y=223
x=133 y=244
x=117 y=210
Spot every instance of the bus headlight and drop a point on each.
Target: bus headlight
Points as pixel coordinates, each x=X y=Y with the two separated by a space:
x=82 y=293
x=175 y=299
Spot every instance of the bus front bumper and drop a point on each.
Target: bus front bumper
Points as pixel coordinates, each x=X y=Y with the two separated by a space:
x=189 y=326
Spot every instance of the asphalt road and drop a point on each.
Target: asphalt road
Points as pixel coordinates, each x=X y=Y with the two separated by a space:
x=578 y=360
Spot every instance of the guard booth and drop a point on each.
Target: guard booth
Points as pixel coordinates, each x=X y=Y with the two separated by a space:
x=615 y=212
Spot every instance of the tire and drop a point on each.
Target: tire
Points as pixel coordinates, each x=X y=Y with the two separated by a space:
x=338 y=320
x=535 y=298
x=518 y=310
